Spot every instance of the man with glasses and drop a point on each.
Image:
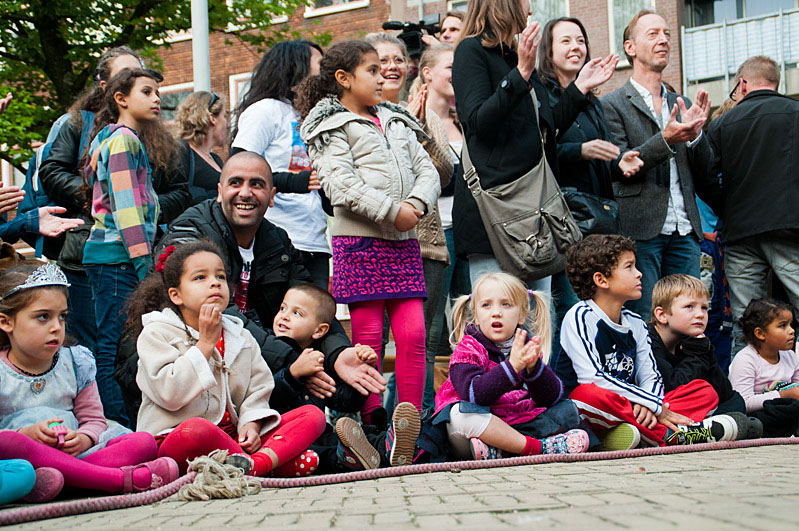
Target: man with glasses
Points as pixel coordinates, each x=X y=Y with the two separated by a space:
x=756 y=154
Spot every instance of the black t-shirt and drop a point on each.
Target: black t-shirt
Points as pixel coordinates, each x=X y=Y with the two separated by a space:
x=206 y=178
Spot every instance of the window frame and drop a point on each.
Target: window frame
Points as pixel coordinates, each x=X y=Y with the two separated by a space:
x=311 y=11
x=623 y=62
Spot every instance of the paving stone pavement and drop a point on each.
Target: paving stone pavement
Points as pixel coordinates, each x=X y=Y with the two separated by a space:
x=751 y=488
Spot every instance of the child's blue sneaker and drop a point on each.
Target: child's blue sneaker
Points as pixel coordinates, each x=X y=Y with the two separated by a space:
x=402 y=434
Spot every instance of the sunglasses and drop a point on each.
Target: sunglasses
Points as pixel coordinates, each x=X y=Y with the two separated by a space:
x=214 y=99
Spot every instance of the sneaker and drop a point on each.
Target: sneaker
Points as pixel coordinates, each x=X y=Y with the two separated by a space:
x=163 y=471
x=625 y=436
x=402 y=434
x=713 y=429
x=241 y=461
x=49 y=483
x=482 y=452
x=571 y=442
x=303 y=465
x=354 y=450
x=748 y=427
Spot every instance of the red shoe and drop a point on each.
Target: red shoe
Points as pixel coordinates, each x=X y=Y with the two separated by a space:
x=163 y=471
x=303 y=465
x=49 y=483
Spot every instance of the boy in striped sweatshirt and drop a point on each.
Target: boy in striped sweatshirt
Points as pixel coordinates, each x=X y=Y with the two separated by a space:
x=606 y=362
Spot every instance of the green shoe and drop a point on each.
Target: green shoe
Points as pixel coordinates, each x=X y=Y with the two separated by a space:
x=623 y=437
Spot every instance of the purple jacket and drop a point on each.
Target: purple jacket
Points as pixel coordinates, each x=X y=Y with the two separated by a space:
x=481 y=374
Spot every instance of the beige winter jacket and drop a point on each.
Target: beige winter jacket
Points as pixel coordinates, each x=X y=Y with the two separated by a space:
x=178 y=383
x=365 y=172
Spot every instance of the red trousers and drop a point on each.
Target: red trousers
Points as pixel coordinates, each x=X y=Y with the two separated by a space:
x=602 y=409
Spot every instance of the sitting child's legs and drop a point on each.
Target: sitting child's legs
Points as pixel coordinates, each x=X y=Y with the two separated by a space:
x=465 y=426
x=16 y=479
x=125 y=450
x=298 y=429
x=195 y=437
x=780 y=417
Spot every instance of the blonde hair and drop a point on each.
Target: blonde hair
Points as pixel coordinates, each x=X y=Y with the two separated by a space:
x=495 y=22
x=193 y=116
x=463 y=309
x=670 y=287
x=760 y=68
x=379 y=37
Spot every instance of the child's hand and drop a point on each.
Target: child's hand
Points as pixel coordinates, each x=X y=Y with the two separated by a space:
x=40 y=432
x=534 y=347
x=210 y=324
x=76 y=443
x=669 y=418
x=310 y=362
x=645 y=416
x=522 y=352
x=407 y=217
x=366 y=354
x=249 y=438
x=792 y=392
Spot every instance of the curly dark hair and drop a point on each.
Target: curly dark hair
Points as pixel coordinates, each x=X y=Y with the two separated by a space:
x=345 y=56
x=760 y=313
x=152 y=294
x=598 y=253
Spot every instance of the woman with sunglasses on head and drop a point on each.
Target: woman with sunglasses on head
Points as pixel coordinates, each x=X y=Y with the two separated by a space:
x=202 y=126
x=268 y=124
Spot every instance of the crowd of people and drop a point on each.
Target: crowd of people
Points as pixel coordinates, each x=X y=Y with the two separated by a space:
x=188 y=304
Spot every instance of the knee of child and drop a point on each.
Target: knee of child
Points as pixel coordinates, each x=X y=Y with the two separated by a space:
x=463 y=424
x=314 y=416
x=194 y=427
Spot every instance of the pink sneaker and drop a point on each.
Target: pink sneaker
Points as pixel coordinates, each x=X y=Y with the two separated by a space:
x=571 y=442
x=49 y=483
x=163 y=471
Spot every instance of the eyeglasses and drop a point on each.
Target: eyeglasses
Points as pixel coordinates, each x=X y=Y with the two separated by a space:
x=733 y=96
x=214 y=99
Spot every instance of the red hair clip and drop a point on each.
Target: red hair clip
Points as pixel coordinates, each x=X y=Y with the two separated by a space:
x=162 y=258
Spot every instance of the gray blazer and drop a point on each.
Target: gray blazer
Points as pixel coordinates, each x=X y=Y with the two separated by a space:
x=644 y=198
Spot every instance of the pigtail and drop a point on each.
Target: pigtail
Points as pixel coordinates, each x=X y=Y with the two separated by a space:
x=149 y=296
x=312 y=90
x=460 y=318
x=541 y=324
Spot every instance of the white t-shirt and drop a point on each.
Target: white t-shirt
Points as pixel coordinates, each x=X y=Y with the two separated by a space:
x=271 y=128
x=240 y=297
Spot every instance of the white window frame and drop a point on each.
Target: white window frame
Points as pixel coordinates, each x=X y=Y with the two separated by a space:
x=452 y=5
x=234 y=84
x=177 y=87
x=311 y=11
x=623 y=62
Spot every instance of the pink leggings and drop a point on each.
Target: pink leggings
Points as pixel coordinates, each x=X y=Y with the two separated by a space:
x=99 y=471
x=194 y=437
x=407 y=323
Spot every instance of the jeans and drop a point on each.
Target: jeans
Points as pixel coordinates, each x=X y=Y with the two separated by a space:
x=563 y=298
x=111 y=284
x=748 y=262
x=433 y=309
x=665 y=254
x=318 y=265
x=81 y=324
x=456 y=283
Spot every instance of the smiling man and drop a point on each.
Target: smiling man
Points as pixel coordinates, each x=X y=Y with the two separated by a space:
x=263 y=264
x=657 y=205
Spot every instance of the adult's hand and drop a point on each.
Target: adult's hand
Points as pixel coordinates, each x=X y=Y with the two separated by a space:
x=527 y=49
x=630 y=163
x=430 y=40
x=320 y=384
x=51 y=225
x=693 y=120
x=361 y=376
x=5 y=102
x=595 y=72
x=417 y=106
x=599 y=149
x=9 y=197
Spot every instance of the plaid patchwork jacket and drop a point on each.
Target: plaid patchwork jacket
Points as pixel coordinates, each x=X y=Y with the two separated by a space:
x=124 y=203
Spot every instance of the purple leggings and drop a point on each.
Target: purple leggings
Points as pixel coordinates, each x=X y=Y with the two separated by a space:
x=98 y=471
x=407 y=324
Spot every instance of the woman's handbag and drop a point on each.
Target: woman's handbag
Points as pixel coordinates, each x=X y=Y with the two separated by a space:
x=593 y=214
x=528 y=221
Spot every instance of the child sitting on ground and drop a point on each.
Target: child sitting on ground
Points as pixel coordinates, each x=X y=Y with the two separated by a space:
x=501 y=397
x=682 y=351
x=50 y=409
x=204 y=384
x=766 y=371
x=302 y=321
x=606 y=361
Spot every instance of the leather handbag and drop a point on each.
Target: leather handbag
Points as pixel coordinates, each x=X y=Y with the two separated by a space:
x=528 y=222
x=593 y=214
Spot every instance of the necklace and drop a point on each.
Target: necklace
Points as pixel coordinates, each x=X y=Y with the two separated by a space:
x=34 y=375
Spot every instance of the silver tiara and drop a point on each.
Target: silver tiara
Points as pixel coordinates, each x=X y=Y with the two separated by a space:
x=46 y=275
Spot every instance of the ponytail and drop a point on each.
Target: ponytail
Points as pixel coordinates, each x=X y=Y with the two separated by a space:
x=460 y=318
x=541 y=324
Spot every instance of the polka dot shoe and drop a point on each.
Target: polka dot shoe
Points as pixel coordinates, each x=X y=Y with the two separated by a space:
x=303 y=465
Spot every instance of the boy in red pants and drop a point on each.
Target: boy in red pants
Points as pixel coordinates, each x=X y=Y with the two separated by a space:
x=606 y=362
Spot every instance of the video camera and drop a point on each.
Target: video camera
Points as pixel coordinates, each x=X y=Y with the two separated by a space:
x=412 y=32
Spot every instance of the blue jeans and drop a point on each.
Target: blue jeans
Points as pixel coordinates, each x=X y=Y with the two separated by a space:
x=81 y=324
x=111 y=284
x=563 y=298
x=665 y=254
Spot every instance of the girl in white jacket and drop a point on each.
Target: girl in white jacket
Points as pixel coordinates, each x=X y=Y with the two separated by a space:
x=204 y=383
x=380 y=181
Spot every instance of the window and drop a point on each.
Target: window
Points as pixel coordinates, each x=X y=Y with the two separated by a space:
x=704 y=12
x=171 y=96
x=546 y=10
x=325 y=7
x=620 y=12
x=460 y=5
x=239 y=85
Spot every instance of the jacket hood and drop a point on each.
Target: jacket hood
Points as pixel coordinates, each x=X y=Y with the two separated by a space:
x=330 y=114
x=107 y=131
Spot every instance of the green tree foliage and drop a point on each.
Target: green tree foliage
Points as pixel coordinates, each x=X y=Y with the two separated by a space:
x=49 y=49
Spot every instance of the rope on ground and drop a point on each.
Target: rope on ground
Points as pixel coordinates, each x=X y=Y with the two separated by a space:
x=54 y=510
x=217 y=480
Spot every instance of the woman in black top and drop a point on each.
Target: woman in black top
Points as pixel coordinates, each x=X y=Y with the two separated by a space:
x=203 y=126
x=493 y=76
